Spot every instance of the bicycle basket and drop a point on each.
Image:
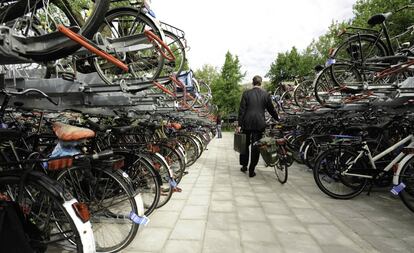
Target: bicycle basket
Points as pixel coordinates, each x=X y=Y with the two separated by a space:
x=268 y=150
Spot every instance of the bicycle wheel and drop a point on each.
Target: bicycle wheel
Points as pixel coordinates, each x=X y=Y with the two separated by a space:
x=333 y=90
x=311 y=154
x=359 y=48
x=327 y=173
x=110 y=202
x=191 y=148
x=43 y=210
x=407 y=177
x=281 y=171
x=304 y=96
x=145 y=180
x=145 y=63
x=288 y=104
x=178 y=48
x=294 y=146
x=165 y=179
x=177 y=165
x=37 y=18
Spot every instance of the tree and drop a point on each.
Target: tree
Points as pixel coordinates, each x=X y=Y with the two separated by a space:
x=207 y=73
x=226 y=88
x=397 y=23
x=291 y=64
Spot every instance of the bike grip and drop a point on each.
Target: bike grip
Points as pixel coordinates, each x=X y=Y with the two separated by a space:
x=103 y=154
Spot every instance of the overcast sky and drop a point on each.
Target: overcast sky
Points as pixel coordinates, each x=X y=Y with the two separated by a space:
x=254 y=30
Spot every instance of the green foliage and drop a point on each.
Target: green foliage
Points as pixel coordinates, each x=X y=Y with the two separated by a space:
x=293 y=63
x=226 y=87
x=207 y=73
x=397 y=23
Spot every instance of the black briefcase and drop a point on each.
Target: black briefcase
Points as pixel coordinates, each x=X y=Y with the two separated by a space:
x=240 y=143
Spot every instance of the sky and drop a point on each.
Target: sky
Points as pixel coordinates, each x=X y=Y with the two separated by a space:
x=255 y=31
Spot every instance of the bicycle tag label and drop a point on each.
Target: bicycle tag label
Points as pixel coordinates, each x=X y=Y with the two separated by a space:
x=172 y=183
x=398 y=188
x=138 y=219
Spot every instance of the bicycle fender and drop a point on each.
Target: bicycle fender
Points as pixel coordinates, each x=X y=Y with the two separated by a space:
x=396 y=177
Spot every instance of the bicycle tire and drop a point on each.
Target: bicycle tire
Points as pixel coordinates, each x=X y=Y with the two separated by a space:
x=86 y=184
x=145 y=179
x=145 y=65
x=175 y=161
x=178 y=48
x=304 y=89
x=88 y=29
x=356 y=40
x=329 y=92
x=191 y=148
x=13 y=181
x=323 y=174
x=281 y=171
x=407 y=177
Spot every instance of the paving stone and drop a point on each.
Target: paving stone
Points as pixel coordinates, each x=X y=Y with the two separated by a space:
x=222 y=195
x=387 y=244
x=268 y=197
x=164 y=219
x=222 y=241
x=199 y=200
x=255 y=247
x=189 y=230
x=251 y=214
x=362 y=226
x=150 y=239
x=223 y=210
x=194 y=213
x=246 y=201
x=222 y=221
x=329 y=235
x=299 y=243
x=309 y=216
x=286 y=224
x=256 y=232
x=182 y=246
x=222 y=206
x=174 y=205
x=275 y=208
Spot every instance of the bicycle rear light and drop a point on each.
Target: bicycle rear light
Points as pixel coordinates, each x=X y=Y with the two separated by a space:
x=82 y=211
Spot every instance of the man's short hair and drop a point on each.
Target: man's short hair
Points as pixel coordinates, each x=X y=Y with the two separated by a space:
x=257 y=80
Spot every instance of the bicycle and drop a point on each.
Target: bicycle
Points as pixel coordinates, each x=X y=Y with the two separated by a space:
x=275 y=154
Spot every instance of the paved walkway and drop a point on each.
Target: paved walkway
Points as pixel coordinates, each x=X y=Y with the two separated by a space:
x=222 y=210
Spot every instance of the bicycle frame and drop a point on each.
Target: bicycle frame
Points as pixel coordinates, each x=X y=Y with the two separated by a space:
x=365 y=150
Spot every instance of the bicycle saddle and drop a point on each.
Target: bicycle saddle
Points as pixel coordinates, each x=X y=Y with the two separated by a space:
x=379 y=18
x=66 y=132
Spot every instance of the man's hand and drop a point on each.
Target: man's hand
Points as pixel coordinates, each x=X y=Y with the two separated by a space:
x=238 y=129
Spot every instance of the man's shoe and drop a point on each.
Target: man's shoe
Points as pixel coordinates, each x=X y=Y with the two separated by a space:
x=243 y=169
x=253 y=174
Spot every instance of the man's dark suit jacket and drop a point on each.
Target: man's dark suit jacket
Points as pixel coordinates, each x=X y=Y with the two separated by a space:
x=253 y=104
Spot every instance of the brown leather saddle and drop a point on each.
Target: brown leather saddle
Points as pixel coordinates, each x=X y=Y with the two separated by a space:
x=66 y=132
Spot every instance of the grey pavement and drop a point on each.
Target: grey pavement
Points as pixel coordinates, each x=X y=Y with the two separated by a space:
x=222 y=210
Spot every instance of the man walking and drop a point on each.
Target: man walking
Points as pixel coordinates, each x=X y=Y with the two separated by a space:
x=218 y=126
x=252 y=121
